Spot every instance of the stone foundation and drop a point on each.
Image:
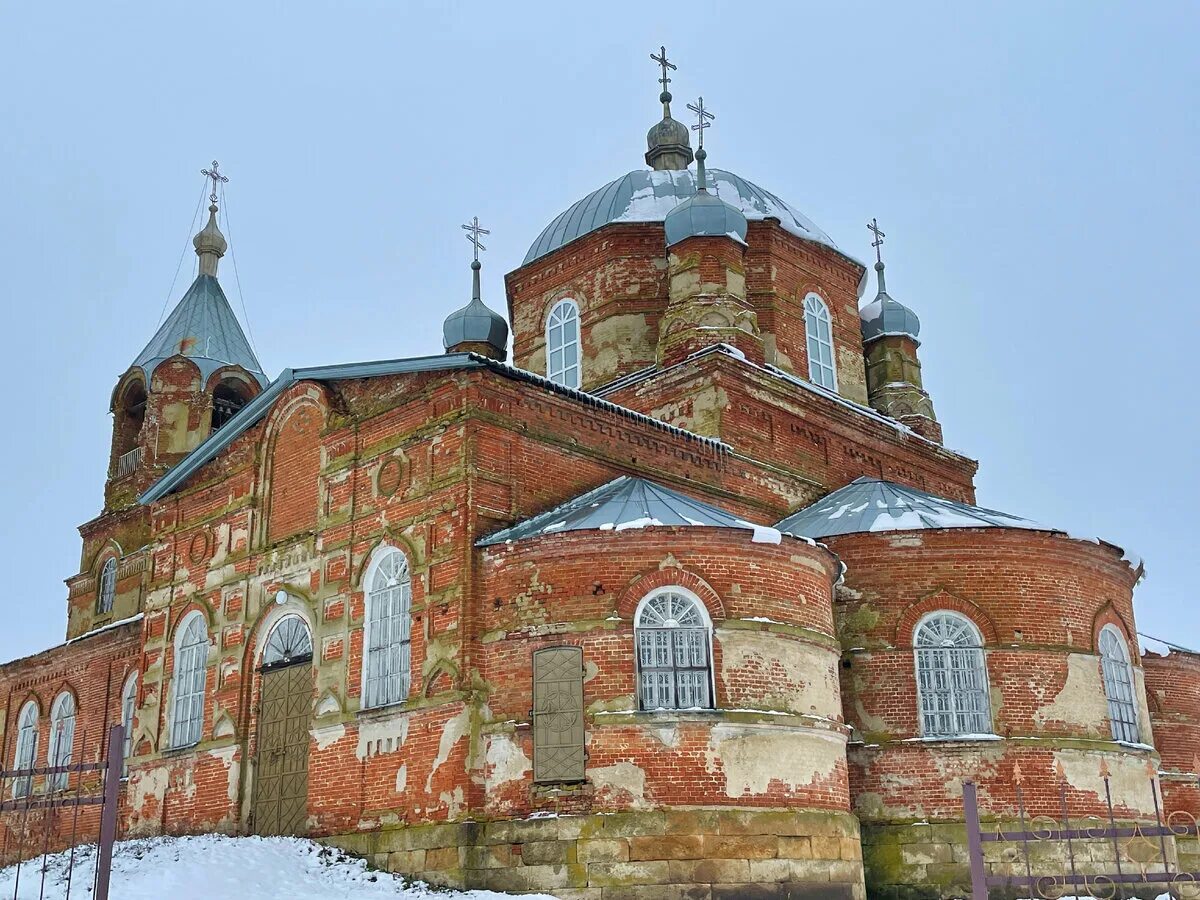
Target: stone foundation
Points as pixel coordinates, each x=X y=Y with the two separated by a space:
x=680 y=854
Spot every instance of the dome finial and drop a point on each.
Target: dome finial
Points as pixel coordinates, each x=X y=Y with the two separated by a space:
x=667 y=141
x=704 y=119
x=873 y=227
x=475 y=328
x=210 y=244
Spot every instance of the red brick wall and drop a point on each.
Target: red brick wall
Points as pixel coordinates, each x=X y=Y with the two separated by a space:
x=295 y=465
x=1173 y=693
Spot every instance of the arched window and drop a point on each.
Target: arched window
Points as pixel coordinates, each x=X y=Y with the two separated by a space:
x=129 y=416
x=107 y=588
x=288 y=642
x=817 y=329
x=562 y=344
x=187 y=685
x=26 y=755
x=62 y=738
x=128 y=708
x=386 y=676
x=952 y=683
x=673 y=636
x=228 y=399
x=1118 y=685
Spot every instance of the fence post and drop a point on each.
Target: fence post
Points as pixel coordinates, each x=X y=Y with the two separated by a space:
x=979 y=889
x=114 y=762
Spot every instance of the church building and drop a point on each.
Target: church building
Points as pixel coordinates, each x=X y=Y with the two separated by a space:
x=678 y=593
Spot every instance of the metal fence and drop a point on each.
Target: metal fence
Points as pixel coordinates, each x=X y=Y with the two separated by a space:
x=34 y=824
x=1069 y=855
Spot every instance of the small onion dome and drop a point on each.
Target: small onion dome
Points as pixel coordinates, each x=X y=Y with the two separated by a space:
x=210 y=239
x=704 y=215
x=475 y=323
x=884 y=316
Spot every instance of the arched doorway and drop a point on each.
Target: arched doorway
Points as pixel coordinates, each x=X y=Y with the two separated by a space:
x=281 y=768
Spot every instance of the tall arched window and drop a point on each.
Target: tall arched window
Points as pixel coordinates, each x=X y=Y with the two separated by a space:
x=26 y=755
x=128 y=708
x=386 y=675
x=819 y=333
x=107 y=589
x=952 y=683
x=562 y=344
x=288 y=642
x=187 y=684
x=1118 y=685
x=62 y=738
x=673 y=636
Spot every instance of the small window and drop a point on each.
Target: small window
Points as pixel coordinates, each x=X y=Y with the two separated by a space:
x=27 y=741
x=288 y=642
x=386 y=675
x=187 y=684
x=674 y=654
x=128 y=708
x=562 y=344
x=62 y=738
x=952 y=683
x=228 y=400
x=819 y=333
x=107 y=589
x=1118 y=685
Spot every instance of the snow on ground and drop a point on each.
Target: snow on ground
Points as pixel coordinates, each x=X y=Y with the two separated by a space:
x=208 y=866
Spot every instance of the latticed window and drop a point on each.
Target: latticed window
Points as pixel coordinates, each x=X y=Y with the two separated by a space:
x=128 y=708
x=27 y=741
x=818 y=331
x=952 y=684
x=62 y=738
x=187 y=687
x=386 y=675
x=288 y=642
x=674 y=658
x=1118 y=685
x=562 y=344
x=108 y=586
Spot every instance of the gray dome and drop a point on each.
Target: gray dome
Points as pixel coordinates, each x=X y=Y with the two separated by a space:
x=475 y=324
x=701 y=215
x=666 y=133
x=883 y=316
x=648 y=196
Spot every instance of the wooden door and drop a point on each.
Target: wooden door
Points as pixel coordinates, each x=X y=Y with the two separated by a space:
x=281 y=773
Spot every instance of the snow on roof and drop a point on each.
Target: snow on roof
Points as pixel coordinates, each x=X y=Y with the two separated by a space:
x=628 y=503
x=871 y=504
x=213 y=865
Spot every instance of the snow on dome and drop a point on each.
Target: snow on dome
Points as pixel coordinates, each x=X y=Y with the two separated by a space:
x=646 y=196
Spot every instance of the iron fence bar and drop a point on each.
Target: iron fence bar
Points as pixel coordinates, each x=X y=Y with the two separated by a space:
x=108 y=812
x=1062 y=802
x=51 y=803
x=47 y=820
x=1024 y=832
x=1112 y=823
x=51 y=770
x=75 y=820
x=1082 y=880
x=1162 y=843
x=1090 y=833
x=21 y=845
x=974 y=844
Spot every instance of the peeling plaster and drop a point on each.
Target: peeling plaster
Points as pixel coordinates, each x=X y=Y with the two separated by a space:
x=381 y=735
x=328 y=736
x=624 y=780
x=505 y=761
x=752 y=757
x=401 y=778
x=802 y=678
x=1081 y=702
x=453 y=801
x=456 y=729
x=233 y=769
x=1129 y=779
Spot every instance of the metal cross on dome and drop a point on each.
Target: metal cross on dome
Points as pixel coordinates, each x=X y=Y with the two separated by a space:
x=475 y=230
x=704 y=118
x=662 y=60
x=215 y=176
x=873 y=227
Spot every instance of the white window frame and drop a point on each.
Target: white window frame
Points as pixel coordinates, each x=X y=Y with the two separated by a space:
x=62 y=740
x=188 y=681
x=128 y=710
x=969 y=707
x=564 y=315
x=644 y=672
x=386 y=668
x=818 y=342
x=108 y=586
x=1119 y=690
x=25 y=754
x=274 y=630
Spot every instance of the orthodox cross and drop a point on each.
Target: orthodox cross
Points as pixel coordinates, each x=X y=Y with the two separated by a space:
x=475 y=231
x=873 y=227
x=661 y=59
x=703 y=118
x=216 y=177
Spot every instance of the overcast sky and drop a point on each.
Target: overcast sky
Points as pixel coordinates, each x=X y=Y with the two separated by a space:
x=1033 y=165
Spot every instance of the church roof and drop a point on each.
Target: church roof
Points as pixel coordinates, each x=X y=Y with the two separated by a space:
x=870 y=504
x=647 y=196
x=628 y=503
x=203 y=328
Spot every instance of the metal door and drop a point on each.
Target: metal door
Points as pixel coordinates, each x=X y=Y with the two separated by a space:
x=281 y=774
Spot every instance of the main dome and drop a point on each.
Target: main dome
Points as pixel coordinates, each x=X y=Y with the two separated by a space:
x=647 y=196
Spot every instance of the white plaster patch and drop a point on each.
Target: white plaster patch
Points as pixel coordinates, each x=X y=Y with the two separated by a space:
x=799 y=677
x=1129 y=776
x=623 y=779
x=1081 y=702
x=752 y=757
x=401 y=779
x=908 y=540
x=328 y=736
x=381 y=735
x=506 y=761
x=453 y=801
x=454 y=731
x=232 y=767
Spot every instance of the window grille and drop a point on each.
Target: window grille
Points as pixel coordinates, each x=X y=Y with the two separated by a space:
x=288 y=641
x=1118 y=686
x=26 y=755
x=128 y=708
x=191 y=660
x=108 y=587
x=674 y=658
x=952 y=683
x=62 y=737
x=388 y=637
x=818 y=331
x=562 y=344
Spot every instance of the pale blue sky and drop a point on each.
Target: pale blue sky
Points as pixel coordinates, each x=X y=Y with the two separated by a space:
x=1034 y=167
